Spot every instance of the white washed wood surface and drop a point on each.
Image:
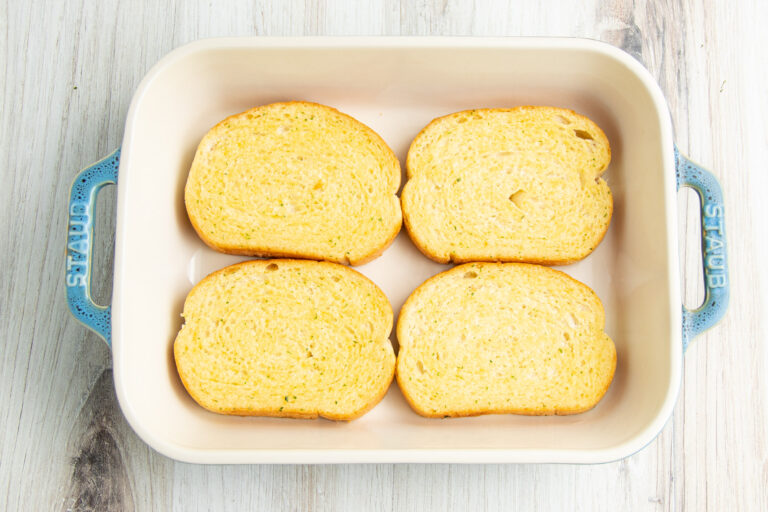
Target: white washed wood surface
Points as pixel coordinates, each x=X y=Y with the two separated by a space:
x=69 y=71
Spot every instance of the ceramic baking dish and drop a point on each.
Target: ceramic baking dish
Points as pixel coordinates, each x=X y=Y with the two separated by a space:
x=396 y=86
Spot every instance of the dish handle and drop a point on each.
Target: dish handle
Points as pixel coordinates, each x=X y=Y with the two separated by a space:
x=714 y=250
x=82 y=204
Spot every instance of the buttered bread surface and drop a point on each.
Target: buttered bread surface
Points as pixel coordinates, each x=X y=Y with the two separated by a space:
x=289 y=338
x=520 y=184
x=295 y=179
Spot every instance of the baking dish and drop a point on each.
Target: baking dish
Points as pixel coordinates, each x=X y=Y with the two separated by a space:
x=396 y=86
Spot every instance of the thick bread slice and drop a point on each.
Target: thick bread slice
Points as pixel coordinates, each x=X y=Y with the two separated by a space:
x=295 y=179
x=291 y=338
x=519 y=184
x=503 y=338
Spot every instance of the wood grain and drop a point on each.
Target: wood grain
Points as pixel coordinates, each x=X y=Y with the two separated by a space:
x=69 y=72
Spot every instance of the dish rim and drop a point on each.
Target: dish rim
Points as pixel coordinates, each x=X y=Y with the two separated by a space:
x=384 y=455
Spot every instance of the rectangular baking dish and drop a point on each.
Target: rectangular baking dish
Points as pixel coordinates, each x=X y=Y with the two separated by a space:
x=396 y=86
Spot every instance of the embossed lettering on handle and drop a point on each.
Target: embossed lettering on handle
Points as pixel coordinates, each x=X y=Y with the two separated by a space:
x=78 y=248
x=714 y=246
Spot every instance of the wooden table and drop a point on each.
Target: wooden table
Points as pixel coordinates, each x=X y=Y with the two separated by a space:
x=70 y=70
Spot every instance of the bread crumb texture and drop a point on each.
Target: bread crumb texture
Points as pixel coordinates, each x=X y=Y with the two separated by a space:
x=519 y=184
x=295 y=179
x=287 y=338
x=503 y=338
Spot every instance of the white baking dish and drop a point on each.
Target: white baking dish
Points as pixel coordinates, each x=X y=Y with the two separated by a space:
x=396 y=86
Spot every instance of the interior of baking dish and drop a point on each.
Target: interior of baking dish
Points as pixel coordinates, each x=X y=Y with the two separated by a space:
x=396 y=87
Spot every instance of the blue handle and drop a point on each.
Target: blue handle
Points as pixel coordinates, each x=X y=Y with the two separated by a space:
x=714 y=250
x=82 y=203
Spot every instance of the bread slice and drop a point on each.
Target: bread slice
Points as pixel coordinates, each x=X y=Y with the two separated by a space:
x=295 y=179
x=515 y=184
x=503 y=338
x=289 y=338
